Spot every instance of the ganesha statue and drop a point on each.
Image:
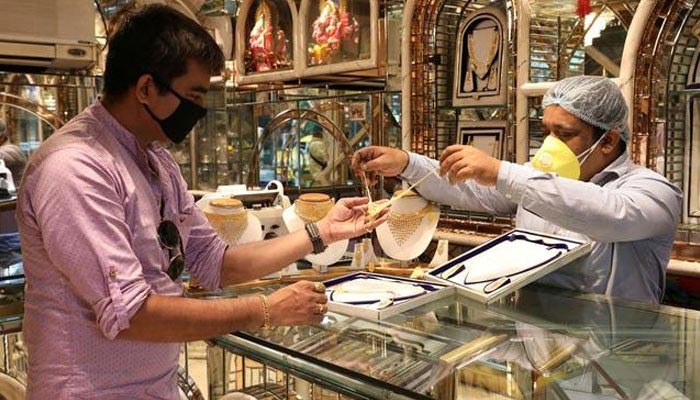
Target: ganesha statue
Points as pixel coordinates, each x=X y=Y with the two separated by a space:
x=267 y=43
x=330 y=30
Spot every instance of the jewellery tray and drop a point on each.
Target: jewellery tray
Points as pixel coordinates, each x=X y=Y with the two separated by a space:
x=374 y=310
x=556 y=252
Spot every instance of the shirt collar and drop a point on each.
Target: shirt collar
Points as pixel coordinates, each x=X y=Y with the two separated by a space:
x=125 y=137
x=618 y=168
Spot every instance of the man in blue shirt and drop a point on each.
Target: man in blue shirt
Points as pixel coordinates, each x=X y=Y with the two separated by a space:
x=581 y=184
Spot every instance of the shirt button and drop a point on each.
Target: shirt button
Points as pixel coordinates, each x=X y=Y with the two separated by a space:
x=112 y=272
x=509 y=196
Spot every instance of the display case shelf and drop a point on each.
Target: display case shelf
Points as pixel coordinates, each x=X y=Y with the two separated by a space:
x=540 y=343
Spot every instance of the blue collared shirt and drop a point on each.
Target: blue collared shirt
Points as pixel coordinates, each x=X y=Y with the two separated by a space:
x=628 y=212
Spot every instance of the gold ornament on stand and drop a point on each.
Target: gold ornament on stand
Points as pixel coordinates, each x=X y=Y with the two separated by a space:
x=228 y=218
x=410 y=226
x=312 y=207
x=402 y=226
x=481 y=65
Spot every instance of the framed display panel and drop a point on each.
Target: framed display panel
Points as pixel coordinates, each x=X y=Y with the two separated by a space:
x=481 y=60
x=487 y=136
x=338 y=36
x=508 y=262
x=266 y=42
x=376 y=296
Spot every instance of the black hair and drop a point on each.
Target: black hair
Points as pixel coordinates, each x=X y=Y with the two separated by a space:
x=158 y=40
x=598 y=132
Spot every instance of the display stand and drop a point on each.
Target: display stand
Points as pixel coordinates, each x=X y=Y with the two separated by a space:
x=409 y=228
x=363 y=256
x=231 y=220
x=311 y=207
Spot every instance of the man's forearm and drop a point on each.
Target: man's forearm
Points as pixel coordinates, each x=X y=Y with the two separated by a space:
x=178 y=319
x=255 y=260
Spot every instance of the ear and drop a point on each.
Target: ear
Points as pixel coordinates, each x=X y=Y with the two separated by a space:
x=609 y=143
x=145 y=88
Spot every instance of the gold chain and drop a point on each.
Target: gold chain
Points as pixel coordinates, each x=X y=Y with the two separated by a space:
x=402 y=226
x=229 y=227
x=481 y=68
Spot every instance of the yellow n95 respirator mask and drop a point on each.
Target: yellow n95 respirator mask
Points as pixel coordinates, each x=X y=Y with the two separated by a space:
x=556 y=157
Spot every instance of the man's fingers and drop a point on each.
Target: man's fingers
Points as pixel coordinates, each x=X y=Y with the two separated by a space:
x=319 y=298
x=371 y=178
x=352 y=202
x=457 y=166
x=377 y=220
x=446 y=164
x=462 y=175
x=449 y=151
x=372 y=166
x=361 y=210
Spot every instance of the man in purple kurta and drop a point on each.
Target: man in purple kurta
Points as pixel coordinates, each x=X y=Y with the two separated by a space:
x=106 y=226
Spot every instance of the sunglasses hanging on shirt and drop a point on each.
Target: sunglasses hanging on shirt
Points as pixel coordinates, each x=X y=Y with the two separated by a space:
x=169 y=238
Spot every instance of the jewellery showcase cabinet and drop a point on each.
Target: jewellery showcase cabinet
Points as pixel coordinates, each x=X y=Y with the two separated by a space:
x=539 y=343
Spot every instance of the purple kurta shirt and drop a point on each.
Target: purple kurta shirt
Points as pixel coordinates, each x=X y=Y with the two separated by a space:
x=88 y=212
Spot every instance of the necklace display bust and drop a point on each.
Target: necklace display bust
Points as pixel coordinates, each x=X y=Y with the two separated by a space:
x=409 y=228
x=231 y=221
x=311 y=207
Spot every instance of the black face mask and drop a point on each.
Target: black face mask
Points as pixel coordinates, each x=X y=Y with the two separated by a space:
x=182 y=120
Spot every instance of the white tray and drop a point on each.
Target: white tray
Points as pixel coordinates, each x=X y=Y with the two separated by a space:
x=376 y=296
x=504 y=264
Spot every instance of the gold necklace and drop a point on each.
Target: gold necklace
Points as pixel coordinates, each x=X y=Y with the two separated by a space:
x=229 y=227
x=403 y=226
x=311 y=207
x=373 y=209
x=481 y=68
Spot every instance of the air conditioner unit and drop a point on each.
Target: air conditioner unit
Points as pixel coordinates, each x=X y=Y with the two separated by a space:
x=48 y=34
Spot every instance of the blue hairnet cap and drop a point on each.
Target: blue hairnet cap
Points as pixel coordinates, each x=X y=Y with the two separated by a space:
x=595 y=100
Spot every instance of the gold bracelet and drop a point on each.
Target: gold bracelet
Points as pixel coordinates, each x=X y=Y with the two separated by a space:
x=266 y=312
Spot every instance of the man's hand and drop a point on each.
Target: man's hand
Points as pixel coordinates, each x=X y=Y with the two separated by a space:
x=348 y=219
x=301 y=303
x=461 y=163
x=376 y=160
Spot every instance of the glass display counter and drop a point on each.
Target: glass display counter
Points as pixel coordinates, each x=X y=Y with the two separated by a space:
x=539 y=343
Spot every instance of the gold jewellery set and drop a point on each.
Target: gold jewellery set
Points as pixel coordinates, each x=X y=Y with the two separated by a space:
x=228 y=218
x=312 y=207
x=481 y=68
x=401 y=225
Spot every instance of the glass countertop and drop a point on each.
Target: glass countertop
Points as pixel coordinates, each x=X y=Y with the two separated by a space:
x=537 y=343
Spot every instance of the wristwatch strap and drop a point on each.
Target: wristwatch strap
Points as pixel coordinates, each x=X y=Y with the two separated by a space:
x=315 y=236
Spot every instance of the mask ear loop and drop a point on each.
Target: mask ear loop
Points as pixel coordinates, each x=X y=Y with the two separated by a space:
x=586 y=153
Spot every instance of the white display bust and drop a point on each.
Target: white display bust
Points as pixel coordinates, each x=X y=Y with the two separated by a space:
x=231 y=221
x=410 y=227
x=313 y=207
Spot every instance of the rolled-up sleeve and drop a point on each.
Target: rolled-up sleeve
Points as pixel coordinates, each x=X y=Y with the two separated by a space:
x=205 y=251
x=79 y=211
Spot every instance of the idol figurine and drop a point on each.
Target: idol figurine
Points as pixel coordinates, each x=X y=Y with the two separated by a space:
x=329 y=30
